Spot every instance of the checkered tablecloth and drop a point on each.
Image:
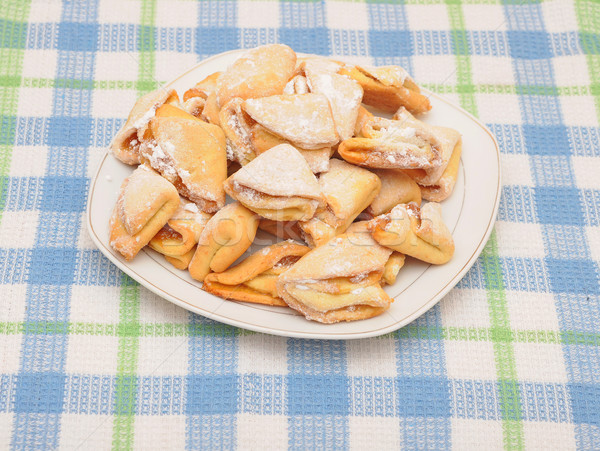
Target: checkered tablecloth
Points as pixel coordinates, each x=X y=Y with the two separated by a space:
x=509 y=359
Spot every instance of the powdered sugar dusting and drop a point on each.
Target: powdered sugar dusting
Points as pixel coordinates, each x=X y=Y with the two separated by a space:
x=143 y=121
x=280 y=171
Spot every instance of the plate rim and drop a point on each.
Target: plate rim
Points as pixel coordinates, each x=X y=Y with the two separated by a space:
x=430 y=303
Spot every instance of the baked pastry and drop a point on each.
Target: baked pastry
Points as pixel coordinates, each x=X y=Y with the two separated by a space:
x=248 y=138
x=338 y=281
x=226 y=236
x=181 y=261
x=297 y=85
x=348 y=190
x=392 y=267
x=261 y=72
x=390 y=144
x=396 y=188
x=254 y=279
x=146 y=202
x=262 y=140
x=442 y=189
x=182 y=231
x=437 y=182
x=190 y=154
x=203 y=88
x=304 y=120
x=211 y=109
x=343 y=93
x=126 y=143
x=363 y=117
x=195 y=99
x=388 y=88
x=287 y=230
x=278 y=185
x=236 y=126
x=395 y=261
x=317 y=63
x=418 y=232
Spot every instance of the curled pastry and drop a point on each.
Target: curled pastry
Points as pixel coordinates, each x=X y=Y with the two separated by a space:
x=226 y=236
x=418 y=232
x=344 y=95
x=363 y=117
x=297 y=85
x=388 y=88
x=195 y=106
x=254 y=279
x=396 y=188
x=441 y=189
x=181 y=261
x=126 y=143
x=190 y=154
x=287 y=230
x=211 y=109
x=146 y=202
x=348 y=190
x=182 y=231
x=438 y=182
x=236 y=125
x=278 y=185
x=338 y=281
x=203 y=88
x=395 y=261
x=260 y=72
x=392 y=267
x=389 y=144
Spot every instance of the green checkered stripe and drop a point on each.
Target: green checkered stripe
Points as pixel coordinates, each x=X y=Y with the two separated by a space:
x=508 y=360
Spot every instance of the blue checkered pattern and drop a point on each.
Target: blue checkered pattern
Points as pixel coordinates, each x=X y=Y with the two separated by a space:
x=509 y=359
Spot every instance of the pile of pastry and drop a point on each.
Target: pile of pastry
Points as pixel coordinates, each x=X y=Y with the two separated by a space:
x=289 y=139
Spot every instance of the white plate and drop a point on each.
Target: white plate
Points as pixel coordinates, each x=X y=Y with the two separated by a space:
x=470 y=213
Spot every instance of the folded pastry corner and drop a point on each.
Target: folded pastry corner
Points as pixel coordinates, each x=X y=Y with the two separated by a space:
x=146 y=202
x=348 y=190
x=203 y=88
x=396 y=188
x=418 y=232
x=393 y=267
x=437 y=183
x=181 y=261
x=191 y=154
x=260 y=72
x=388 y=88
x=297 y=85
x=362 y=118
x=343 y=93
x=305 y=120
x=126 y=143
x=195 y=106
x=444 y=186
x=391 y=144
x=395 y=261
x=338 y=281
x=182 y=231
x=262 y=140
x=211 y=109
x=278 y=185
x=236 y=125
x=254 y=279
x=226 y=236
